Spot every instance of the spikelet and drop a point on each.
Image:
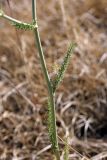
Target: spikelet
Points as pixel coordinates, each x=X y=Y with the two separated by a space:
x=50 y=127
x=63 y=68
x=24 y=26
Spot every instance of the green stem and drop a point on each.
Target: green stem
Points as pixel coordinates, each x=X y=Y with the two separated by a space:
x=47 y=78
x=13 y=20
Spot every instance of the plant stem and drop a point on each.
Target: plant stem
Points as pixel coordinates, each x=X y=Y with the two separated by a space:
x=47 y=78
x=13 y=20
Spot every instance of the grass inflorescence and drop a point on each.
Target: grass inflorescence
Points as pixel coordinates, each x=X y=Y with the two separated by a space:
x=63 y=67
x=24 y=26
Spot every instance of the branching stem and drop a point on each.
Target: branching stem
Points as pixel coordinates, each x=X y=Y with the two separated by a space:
x=47 y=78
x=18 y=23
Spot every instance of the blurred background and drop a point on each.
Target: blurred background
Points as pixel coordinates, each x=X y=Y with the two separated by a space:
x=81 y=100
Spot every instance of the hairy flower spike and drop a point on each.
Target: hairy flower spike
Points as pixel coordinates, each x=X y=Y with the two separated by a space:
x=50 y=126
x=24 y=26
x=63 y=68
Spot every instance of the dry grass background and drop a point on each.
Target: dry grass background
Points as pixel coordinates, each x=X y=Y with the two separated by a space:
x=81 y=99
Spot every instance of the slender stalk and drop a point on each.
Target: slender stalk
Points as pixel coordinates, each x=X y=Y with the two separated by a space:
x=13 y=20
x=47 y=78
x=18 y=24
